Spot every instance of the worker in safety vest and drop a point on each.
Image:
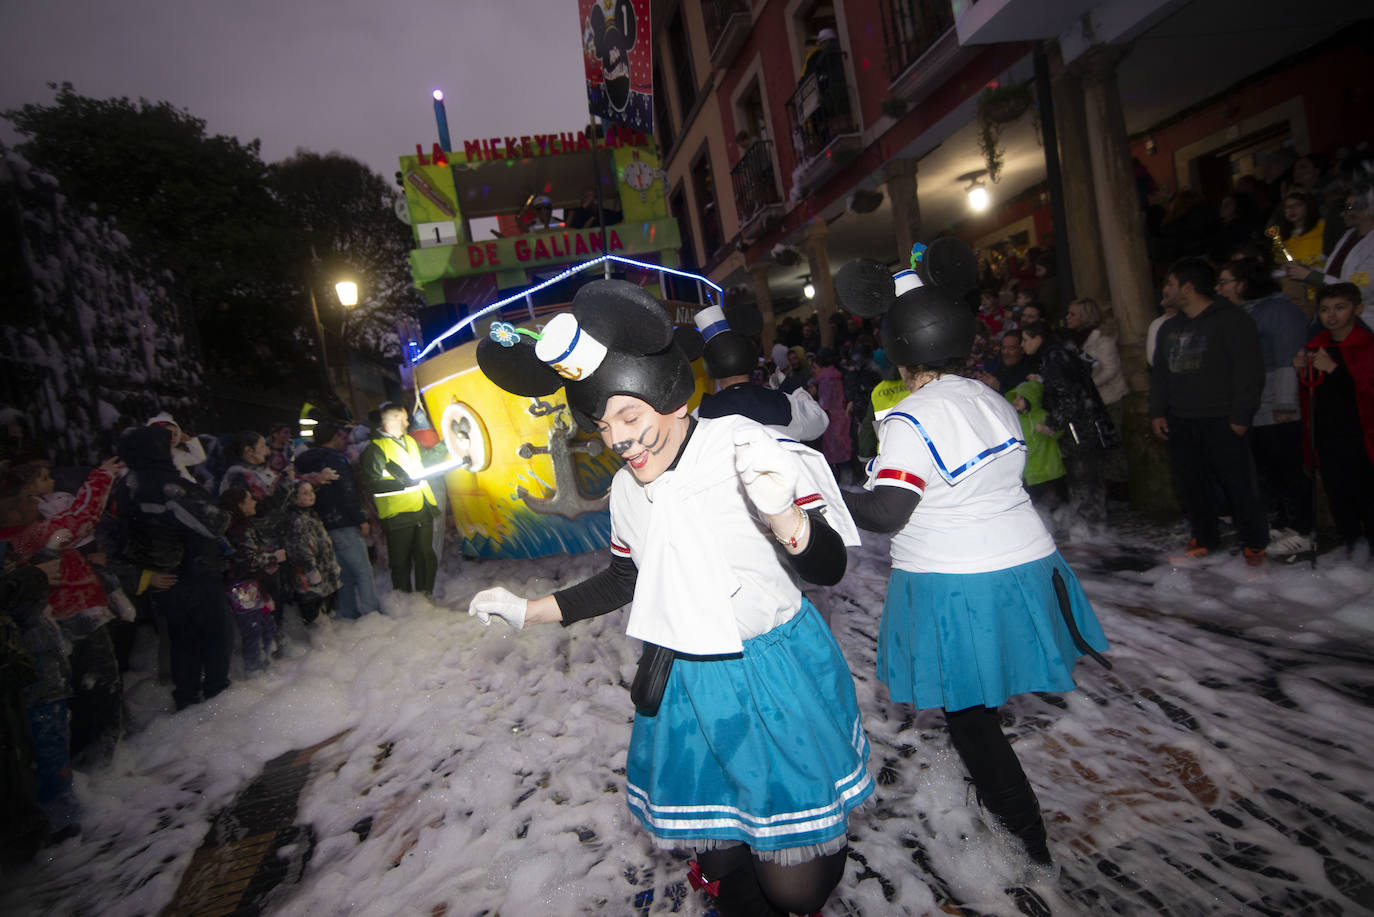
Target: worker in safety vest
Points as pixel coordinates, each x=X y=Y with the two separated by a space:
x=392 y=467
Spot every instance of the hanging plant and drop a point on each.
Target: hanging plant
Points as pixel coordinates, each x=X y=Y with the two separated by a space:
x=998 y=106
x=989 y=144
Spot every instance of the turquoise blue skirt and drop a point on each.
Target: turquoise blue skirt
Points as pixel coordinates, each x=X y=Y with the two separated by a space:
x=957 y=640
x=765 y=749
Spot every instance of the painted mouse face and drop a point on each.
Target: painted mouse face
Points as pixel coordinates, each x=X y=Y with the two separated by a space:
x=612 y=39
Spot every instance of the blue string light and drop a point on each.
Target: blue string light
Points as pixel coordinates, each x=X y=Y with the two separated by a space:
x=468 y=321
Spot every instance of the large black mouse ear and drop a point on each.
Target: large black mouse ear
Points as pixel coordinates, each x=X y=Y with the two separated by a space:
x=623 y=316
x=865 y=288
x=951 y=265
x=689 y=341
x=514 y=367
x=742 y=311
x=745 y=319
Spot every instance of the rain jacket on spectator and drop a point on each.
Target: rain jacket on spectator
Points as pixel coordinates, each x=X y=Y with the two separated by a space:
x=315 y=570
x=1044 y=462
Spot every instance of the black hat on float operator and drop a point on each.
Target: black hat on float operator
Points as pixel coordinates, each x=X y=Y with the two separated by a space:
x=925 y=319
x=617 y=340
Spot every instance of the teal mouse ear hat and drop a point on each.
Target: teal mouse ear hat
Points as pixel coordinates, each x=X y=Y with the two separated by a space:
x=925 y=318
x=617 y=340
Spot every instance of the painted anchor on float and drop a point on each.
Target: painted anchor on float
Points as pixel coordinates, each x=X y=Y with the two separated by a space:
x=566 y=499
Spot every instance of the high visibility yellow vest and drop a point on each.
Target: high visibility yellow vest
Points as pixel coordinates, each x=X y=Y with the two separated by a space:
x=413 y=498
x=887 y=395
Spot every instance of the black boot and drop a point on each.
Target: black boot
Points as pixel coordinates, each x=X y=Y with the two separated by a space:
x=997 y=776
x=1019 y=812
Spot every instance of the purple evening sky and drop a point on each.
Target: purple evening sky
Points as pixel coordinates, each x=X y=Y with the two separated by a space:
x=348 y=75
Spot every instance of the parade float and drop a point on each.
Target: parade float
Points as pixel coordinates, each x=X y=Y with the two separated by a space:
x=523 y=481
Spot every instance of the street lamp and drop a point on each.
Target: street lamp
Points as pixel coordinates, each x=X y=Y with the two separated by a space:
x=347 y=291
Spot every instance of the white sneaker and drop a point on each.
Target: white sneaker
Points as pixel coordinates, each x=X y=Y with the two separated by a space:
x=1285 y=542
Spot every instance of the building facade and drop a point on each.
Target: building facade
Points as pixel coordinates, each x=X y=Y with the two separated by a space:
x=798 y=134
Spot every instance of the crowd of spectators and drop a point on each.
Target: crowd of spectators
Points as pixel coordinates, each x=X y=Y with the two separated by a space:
x=209 y=542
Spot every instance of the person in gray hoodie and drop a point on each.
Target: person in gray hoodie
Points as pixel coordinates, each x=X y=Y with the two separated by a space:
x=1204 y=391
x=1276 y=434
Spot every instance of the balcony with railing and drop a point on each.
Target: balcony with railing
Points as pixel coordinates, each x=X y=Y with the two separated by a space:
x=756 y=188
x=727 y=27
x=922 y=49
x=824 y=129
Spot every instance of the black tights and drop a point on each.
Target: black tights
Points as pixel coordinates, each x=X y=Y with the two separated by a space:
x=750 y=887
x=997 y=776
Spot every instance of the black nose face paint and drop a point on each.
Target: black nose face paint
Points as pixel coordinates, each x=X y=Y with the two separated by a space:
x=620 y=447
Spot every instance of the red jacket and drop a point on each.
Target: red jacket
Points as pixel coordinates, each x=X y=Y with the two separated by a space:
x=1357 y=351
x=79 y=589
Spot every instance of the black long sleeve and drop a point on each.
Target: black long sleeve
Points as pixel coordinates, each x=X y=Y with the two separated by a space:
x=883 y=509
x=604 y=592
x=825 y=559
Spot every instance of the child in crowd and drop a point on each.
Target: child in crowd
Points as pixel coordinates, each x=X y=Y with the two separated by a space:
x=317 y=577
x=65 y=625
x=1044 y=474
x=1337 y=368
x=252 y=557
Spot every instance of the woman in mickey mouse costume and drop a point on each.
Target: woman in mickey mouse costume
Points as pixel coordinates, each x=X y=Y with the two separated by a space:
x=980 y=606
x=747 y=743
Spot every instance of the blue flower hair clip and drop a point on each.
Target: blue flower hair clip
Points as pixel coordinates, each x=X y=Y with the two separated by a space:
x=507 y=335
x=918 y=254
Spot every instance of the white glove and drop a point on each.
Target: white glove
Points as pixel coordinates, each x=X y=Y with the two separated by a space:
x=501 y=602
x=768 y=471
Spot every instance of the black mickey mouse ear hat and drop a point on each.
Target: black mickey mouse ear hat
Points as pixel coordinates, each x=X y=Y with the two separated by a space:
x=924 y=318
x=724 y=352
x=617 y=340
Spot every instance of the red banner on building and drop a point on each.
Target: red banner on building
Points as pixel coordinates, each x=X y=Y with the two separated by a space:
x=617 y=54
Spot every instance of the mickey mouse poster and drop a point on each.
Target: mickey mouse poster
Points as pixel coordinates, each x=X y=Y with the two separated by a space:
x=618 y=60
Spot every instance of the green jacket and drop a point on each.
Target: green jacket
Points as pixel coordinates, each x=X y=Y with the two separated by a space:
x=1043 y=461
x=886 y=395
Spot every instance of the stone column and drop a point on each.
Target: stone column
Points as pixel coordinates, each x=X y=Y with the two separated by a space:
x=900 y=177
x=1082 y=232
x=818 y=259
x=1121 y=227
x=764 y=298
x=1128 y=269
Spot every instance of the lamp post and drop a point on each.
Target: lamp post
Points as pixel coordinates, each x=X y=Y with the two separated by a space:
x=347 y=291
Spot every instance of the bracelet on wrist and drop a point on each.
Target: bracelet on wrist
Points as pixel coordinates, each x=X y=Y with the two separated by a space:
x=797 y=533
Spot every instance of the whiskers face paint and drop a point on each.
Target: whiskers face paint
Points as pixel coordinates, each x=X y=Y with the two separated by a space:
x=646 y=440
